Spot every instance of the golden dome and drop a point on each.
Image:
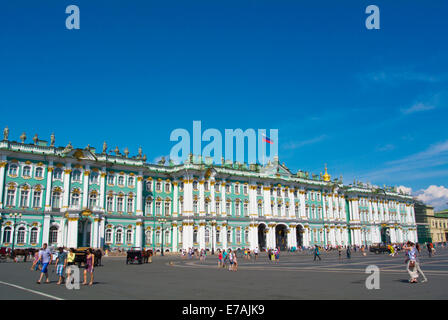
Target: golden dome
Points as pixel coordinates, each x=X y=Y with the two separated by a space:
x=326 y=176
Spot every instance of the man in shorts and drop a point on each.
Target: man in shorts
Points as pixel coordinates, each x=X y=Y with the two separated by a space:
x=61 y=263
x=45 y=260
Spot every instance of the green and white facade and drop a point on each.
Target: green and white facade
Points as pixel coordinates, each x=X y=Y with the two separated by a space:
x=79 y=197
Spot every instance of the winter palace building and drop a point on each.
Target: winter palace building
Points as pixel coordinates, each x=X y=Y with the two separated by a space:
x=72 y=197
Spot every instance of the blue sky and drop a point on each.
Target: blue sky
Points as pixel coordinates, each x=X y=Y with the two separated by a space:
x=372 y=104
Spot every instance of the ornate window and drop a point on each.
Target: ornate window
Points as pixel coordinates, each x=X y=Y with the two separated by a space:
x=10 y=197
x=237 y=188
x=195 y=185
x=167 y=187
x=120 y=204
x=207 y=235
x=148 y=186
x=53 y=235
x=246 y=236
x=120 y=180
x=7 y=235
x=218 y=207
x=110 y=179
x=148 y=206
x=207 y=207
x=195 y=236
x=227 y=188
x=93 y=200
x=33 y=235
x=56 y=200
x=260 y=209
x=245 y=189
x=158 y=208
x=130 y=204
x=76 y=175
x=94 y=177
x=157 y=236
x=75 y=199
x=119 y=236
x=167 y=236
x=195 y=207
x=24 y=198
x=26 y=171
x=39 y=172
x=217 y=187
x=228 y=208
x=167 y=208
x=57 y=174
x=229 y=236
x=12 y=170
x=258 y=190
x=108 y=237
x=129 y=237
x=36 y=199
x=206 y=186
x=148 y=238
x=21 y=235
x=131 y=181
x=237 y=208
x=109 y=203
x=246 y=209
x=158 y=186
x=238 y=235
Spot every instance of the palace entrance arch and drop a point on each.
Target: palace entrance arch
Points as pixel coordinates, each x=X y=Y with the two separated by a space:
x=281 y=237
x=261 y=237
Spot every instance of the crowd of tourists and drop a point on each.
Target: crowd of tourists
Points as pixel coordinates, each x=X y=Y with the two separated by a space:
x=64 y=260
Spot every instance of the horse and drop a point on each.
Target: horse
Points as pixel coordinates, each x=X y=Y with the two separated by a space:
x=147 y=254
x=22 y=252
x=98 y=255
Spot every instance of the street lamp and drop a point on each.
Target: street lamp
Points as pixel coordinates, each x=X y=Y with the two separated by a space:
x=162 y=220
x=15 y=216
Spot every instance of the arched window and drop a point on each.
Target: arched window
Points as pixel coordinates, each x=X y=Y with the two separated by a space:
x=149 y=186
x=108 y=236
x=195 y=207
x=131 y=181
x=57 y=174
x=120 y=180
x=228 y=208
x=39 y=172
x=229 y=236
x=24 y=198
x=21 y=235
x=167 y=187
x=129 y=237
x=110 y=179
x=148 y=237
x=7 y=235
x=157 y=237
x=12 y=170
x=195 y=236
x=53 y=239
x=56 y=200
x=246 y=236
x=158 y=204
x=76 y=175
x=109 y=203
x=33 y=235
x=167 y=208
x=246 y=209
x=148 y=206
x=207 y=207
x=238 y=235
x=10 y=197
x=119 y=236
x=120 y=204
x=75 y=199
x=130 y=204
x=36 y=199
x=26 y=171
x=260 y=209
x=94 y=177
x=167 y=237
x=92 y=200
x=195 y=185
x=207 y=235
x=218 y=207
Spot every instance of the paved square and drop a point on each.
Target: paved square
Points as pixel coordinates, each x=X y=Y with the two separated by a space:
x=296 y=276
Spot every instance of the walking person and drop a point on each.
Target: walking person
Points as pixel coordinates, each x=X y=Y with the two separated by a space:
x=219 y=258
x=349 y=253
x=340 y=252
x=413 y=266
x=36 y=262
x=61 y=263
x=316 y=253
x=70 y=261
x=90 y=260
x=235 y=263
x=256 y=253
x=230 y=255
x=45 y=260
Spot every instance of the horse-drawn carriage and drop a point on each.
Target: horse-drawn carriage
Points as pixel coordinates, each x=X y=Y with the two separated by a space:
x=138 y=255
x=3 y=253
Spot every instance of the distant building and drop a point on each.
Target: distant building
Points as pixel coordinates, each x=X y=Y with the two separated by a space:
x=423 y=213
x=439 y=226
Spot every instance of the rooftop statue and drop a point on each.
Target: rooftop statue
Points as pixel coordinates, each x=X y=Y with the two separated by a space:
x=5 y=134
x=126 y=152
x=52 y=140
x=23 y=137
x=35 y=139
x=140 y=152
x=104 y=147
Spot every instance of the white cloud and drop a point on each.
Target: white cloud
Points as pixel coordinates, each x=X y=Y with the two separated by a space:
x=418 y=107
x=436 y=196
x=299 y=144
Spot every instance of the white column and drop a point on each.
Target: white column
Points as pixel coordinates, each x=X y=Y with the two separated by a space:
x=2 y=180
x=175 y=240
x=292 y=204
x=267 y=201
x=94 y=236
x=46 y=229
x=213 y=200
x=175 y=206
x=302 y=204
x=201 y=199
x=201 y=235
x=102 y=189
x=85 y=189
x=48 y=188
x=139 y=209
x=72 y=237
x=187 y=228
x=138 y=234
x=223 y=198
x=66 y=197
